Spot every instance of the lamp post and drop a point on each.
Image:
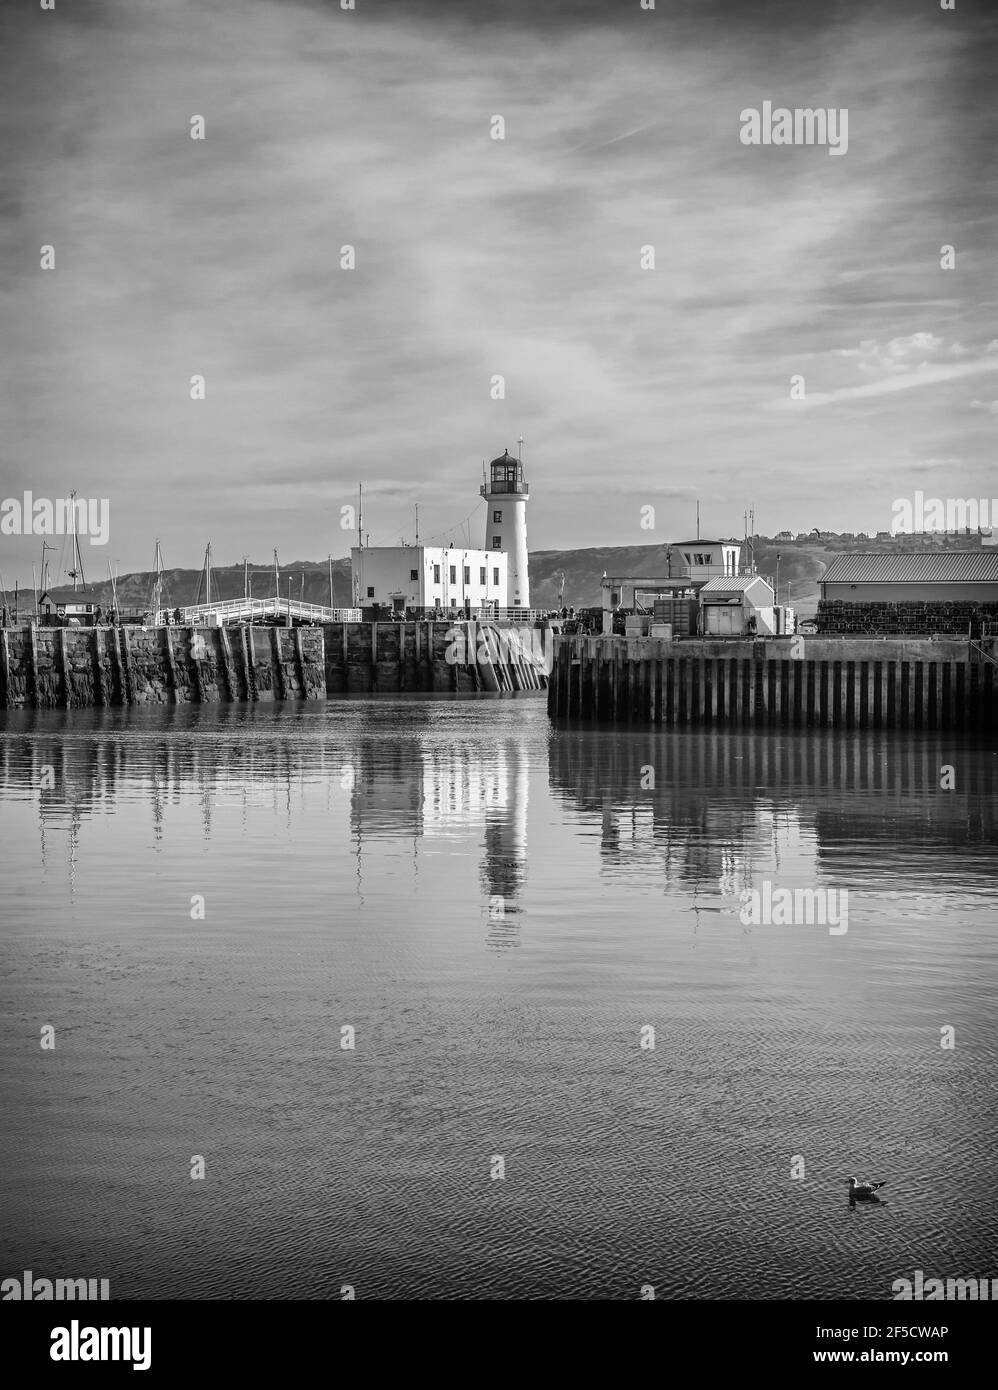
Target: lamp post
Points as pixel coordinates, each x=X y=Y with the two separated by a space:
x=777 y=578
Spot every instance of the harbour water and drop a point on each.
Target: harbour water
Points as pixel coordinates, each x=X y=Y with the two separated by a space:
x=500 y=910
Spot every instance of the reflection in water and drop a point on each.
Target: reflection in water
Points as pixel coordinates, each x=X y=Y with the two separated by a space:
x=706 y=810
x=396 y=788
x=715 y=808
x=414 y=790
x=366 y=862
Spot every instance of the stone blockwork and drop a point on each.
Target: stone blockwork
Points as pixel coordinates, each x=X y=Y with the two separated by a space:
x=420 y=656
x=904 y=619
x=76 y=667
x=63 y=667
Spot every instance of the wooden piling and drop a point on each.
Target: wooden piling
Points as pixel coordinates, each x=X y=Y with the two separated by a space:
x=249 y=674
x=64 y=687
x=171 y=664
x=228 y=671
x=32 y=683
x=280 y=684
x=300 y=663
x=97 y=661
x=126 y=662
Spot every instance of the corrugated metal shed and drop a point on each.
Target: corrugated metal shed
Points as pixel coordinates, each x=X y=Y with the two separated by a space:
x=886 y=567
x=732 y=583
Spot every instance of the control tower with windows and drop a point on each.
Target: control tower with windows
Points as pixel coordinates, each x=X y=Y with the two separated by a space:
x=506 y=496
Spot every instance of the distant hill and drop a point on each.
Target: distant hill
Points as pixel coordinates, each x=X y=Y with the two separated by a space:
x=180 y=587
x=803 y=561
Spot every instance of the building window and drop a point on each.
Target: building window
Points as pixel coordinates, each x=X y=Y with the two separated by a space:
x=497 y=542
x=436 y=574
x=688 y=558
x=370 y=591
x=495 y=576
x=497 y=517
x=467 y=574
x=453 y=574
x=413 y=576
x=453 y=603
x=481 y=576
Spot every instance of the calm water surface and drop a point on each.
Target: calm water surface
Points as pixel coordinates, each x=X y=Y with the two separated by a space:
x=497 y=908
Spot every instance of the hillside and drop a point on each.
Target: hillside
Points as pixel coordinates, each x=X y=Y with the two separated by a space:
x=180 y=586
x=802 y=563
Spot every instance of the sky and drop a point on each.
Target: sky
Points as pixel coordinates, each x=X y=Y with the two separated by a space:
x=476 y=257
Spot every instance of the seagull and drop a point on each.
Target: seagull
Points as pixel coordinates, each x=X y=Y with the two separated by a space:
x=864 y=1191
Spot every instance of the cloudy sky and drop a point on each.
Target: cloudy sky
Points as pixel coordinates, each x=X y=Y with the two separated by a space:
x=478 y=257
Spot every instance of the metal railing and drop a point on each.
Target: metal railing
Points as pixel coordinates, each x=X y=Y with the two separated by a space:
x=247 y=609
x=521 y=615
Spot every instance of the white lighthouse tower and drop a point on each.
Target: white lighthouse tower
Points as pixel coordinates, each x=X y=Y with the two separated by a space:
x=506 y=496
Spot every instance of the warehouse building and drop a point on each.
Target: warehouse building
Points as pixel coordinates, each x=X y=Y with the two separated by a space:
x=910 y=592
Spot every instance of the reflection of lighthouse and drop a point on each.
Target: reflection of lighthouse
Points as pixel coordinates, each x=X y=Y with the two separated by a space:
x=461 y=790
x=504 y=864
x=506 y=496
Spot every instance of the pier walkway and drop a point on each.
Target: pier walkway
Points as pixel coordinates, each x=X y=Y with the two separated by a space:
x=251 y=610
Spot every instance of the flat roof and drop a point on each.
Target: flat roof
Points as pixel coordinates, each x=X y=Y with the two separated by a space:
x=913 y=567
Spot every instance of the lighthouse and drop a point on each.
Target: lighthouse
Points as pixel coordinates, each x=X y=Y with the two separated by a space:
x=506 y=496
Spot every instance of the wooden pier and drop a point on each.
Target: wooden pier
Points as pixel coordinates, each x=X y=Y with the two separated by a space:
x=894 y=682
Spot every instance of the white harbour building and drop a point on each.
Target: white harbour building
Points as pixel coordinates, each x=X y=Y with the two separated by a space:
x=418 y=581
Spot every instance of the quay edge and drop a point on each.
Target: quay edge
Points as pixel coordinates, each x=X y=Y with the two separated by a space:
x=888 y=682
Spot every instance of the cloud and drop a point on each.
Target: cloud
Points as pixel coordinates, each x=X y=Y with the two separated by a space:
x=475 y=258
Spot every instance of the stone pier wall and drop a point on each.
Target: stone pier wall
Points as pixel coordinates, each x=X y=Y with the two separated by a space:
x=69 y=668
x=77 y=667
x=421 y=656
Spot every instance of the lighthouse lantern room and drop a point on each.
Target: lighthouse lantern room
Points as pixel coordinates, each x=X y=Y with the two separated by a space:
x=506 y=496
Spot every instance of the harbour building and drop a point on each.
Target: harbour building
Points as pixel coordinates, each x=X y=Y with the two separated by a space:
x=422 y=581
x=419 y=581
